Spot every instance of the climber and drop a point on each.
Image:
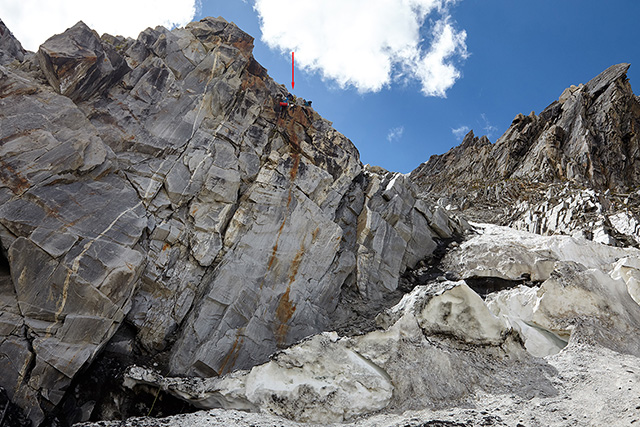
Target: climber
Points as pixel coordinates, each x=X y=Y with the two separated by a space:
x=281 y=106
x=306 y=103
x=292 y=101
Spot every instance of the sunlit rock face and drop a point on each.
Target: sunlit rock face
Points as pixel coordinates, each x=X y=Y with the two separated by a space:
x=154 y=183
x=442 y=345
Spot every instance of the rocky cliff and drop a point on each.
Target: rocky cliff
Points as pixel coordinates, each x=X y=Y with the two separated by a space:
x=171 y=242
x=574 y=168
x=155 y=206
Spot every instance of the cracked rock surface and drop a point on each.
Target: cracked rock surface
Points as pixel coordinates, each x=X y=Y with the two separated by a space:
x=169 y=234
x=565 y=352
x=153 y=183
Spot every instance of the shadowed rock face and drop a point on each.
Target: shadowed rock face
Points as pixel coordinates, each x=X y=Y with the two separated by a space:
x=151 y=182
x=10 y=48
x=573 y=168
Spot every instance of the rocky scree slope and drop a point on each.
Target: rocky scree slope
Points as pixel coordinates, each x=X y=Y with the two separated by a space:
x=154 y=207
x=574 y=168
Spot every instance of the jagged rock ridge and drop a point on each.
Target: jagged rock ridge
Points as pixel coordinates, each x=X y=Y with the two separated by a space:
x=150 y=184
x=572 y=168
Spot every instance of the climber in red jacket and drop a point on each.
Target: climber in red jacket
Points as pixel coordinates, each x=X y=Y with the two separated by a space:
x=281 y=106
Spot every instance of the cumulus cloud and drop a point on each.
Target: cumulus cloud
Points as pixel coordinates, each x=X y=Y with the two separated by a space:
x=34 y=21
x=395 y=134
x=368 y=44
x=460 y=132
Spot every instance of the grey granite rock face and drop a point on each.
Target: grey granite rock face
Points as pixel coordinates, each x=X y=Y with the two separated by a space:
x=69 y=228
x=151 y=181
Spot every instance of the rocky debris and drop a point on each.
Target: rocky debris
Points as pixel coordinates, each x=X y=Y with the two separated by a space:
x=330 y=379
x=603 y=217
x=150 y=183
x=10 y=47
x=596 y=386
x=156 y=210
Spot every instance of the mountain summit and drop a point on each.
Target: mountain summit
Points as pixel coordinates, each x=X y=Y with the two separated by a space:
x=587 y=137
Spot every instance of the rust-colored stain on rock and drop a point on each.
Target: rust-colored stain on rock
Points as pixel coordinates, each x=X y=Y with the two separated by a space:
x=274 y=251
x=12 y=178
x=232 y=356
x=284 y=312
x=293 y=173
x=314 y=235
x=296 y=165
x=295 y=265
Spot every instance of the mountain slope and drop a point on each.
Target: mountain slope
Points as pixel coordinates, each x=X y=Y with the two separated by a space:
x=587 y=140
x=170 y=240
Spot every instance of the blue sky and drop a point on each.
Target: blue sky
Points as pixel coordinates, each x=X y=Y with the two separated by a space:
x=521 y=56
x=511 y=56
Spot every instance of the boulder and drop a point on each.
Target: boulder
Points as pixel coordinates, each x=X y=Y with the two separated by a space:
x=78 y=65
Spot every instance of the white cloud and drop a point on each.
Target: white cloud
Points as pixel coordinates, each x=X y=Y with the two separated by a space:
x=34 y=21
x=395 y=134
x=436 y=71
x=460 y=132
x=368 y=44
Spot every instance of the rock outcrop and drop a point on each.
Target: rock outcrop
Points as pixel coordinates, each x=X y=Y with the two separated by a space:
x=158 y=209
x=586 y=137
x=78 y=65
x=152 y=183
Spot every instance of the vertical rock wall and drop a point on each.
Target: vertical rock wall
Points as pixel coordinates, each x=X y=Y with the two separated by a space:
x=153 y=182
